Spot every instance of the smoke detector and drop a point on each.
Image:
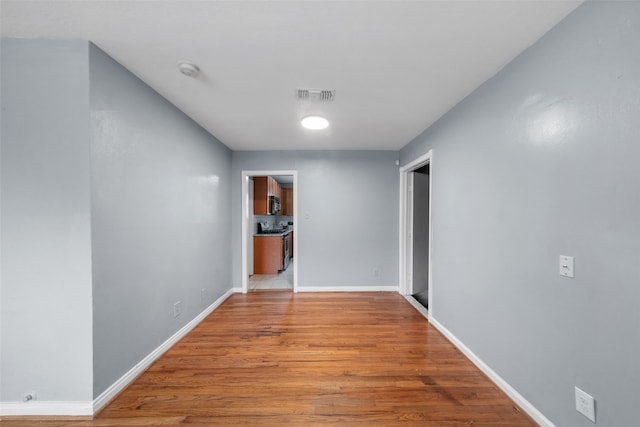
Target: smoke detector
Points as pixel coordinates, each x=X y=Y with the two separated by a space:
x=188 y=69
x=315 y=95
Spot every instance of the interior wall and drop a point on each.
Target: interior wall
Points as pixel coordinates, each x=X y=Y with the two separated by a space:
x=542 y=161
x=45 y=285
x=347 y=227
x=160 y=219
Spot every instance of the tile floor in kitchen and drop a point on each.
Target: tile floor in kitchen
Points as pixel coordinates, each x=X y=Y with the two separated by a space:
x=282 y=280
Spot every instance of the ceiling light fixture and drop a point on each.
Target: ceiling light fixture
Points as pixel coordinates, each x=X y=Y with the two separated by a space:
x=188 y=69
x=315 y=122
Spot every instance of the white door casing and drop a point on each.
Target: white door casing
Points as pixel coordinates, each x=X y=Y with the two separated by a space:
x=247 y=230
x=406 y=225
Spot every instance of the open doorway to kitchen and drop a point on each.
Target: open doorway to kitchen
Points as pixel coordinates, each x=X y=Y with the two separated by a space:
x=269 y=237
x=415 y=233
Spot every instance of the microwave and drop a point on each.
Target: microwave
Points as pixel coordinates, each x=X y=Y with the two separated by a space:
x=274 y=205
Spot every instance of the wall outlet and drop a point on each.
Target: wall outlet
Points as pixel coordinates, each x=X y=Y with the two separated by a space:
x=376 y=272
x=176 y=309
x=566 y=266
x=31 y=396
x=585 y=405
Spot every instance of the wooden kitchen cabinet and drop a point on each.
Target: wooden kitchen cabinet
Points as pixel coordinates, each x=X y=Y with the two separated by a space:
x=267 y=254
x=273 y=187
x=287 y=201
x=260 y=195
x=263 y=187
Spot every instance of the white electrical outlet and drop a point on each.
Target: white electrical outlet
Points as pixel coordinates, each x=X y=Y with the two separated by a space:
x=566 y=266
x=585 y=405
x=376 y=272
x=31 y=396
x=176 y=309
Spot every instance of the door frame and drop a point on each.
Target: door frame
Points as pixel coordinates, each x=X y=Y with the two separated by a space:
x=406 y=225
x=246 y=174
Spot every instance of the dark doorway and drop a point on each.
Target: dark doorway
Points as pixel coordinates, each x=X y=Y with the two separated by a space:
x=420 y=234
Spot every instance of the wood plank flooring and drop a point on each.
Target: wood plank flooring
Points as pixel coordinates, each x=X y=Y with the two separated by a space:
x=284 y=359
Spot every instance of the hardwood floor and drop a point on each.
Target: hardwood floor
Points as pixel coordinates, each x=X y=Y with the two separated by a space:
x=284 y=359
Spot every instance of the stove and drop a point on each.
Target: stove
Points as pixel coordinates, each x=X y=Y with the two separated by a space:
x=275 y=231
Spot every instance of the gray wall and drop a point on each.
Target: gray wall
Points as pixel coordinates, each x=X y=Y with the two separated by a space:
x=45 y=311
x=160 y=218
x=348 y=214
x=115 y=205
x=542 y=160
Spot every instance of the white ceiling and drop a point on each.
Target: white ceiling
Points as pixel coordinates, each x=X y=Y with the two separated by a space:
x=396 y=66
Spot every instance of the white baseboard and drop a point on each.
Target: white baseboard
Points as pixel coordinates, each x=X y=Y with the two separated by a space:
x=115 y=388
x=89 y=408
x=348 y=288
x=421 y=308
x=497 y=379
x=39 y=408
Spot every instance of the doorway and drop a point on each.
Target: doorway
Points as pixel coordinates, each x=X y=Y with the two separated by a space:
x=420 y=235
x=250 y=223
x=415 y=232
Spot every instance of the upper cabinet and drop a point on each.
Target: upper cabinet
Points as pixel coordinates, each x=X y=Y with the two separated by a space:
x=273 y=188
x=263 y=187
x=287 y=201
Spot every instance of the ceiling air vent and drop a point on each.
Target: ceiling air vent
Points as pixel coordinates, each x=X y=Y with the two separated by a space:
x=324 y=95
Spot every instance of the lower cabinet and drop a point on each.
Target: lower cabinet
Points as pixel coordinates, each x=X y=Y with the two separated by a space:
x=267 y=254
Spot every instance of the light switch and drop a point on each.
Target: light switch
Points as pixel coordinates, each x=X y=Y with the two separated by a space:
x=566 y=266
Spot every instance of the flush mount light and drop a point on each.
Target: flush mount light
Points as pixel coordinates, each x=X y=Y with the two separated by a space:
x=315 y=122
x=188 y=69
